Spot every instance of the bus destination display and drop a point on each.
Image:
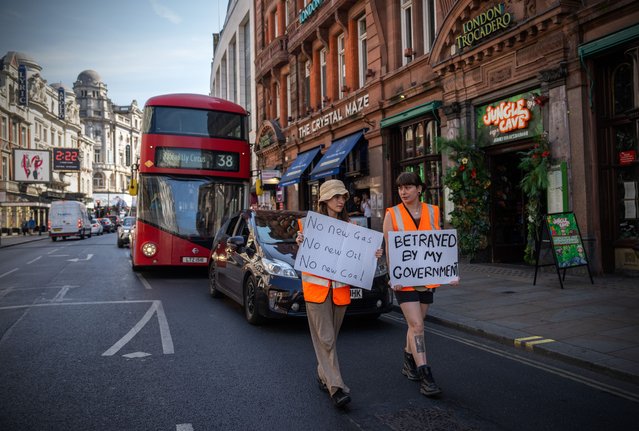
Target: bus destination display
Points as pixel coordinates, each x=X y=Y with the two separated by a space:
x=193 y=158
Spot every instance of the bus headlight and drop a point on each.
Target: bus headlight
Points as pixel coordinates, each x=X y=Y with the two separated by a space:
x=149 y=249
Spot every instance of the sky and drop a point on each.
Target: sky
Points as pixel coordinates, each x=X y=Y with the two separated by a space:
x=140 y=48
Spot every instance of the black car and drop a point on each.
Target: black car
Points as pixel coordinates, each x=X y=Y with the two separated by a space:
x=252 y=263
x=124 y=230
x=107 y=225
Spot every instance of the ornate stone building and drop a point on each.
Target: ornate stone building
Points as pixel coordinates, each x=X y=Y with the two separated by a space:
x=36 y=116
x=116 y=132
x=360 y=90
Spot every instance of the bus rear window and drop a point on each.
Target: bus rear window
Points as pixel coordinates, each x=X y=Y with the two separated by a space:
x=165 y=120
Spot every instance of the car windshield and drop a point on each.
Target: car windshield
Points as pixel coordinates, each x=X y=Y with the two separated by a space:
x=128 y=221
x=274 y=227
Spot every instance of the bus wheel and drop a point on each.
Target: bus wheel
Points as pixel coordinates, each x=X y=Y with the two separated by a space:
x=250 y=302
x=54 y=238
x=212 y=283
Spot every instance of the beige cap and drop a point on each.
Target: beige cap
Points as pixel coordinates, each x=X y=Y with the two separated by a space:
x=331 y=188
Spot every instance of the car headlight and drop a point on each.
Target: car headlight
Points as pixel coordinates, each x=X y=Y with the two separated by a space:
x=149 y=249
x=382 y=268
x=277 y=267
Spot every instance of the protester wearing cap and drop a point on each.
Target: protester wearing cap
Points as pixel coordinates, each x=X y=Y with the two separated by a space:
x=326 y=302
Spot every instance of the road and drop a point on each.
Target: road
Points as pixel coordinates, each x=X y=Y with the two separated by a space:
x=86 y=344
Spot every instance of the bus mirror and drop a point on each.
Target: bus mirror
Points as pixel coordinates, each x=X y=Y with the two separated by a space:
x=133 y=187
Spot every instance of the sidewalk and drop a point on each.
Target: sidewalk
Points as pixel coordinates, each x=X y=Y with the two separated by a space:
x=8 y=241
x=591 y=325
x=594 y=326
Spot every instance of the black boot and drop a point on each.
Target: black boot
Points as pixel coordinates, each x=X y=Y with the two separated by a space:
x=410 y=368
x=427 y=385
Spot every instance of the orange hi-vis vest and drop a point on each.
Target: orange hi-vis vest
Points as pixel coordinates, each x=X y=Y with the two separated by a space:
x=316 y=288
x=402 y=220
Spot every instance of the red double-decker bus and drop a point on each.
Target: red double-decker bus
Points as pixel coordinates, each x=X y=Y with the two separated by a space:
x=193 y=171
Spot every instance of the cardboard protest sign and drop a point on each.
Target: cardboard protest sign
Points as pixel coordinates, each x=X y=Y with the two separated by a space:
x=422 y=257
x=338 y=250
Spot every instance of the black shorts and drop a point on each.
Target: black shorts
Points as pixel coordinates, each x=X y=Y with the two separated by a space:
x=424 y=297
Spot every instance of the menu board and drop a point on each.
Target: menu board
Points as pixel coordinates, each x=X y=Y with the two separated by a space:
x=566 y=240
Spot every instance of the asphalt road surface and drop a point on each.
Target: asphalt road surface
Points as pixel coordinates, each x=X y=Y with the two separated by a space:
x=86 y=344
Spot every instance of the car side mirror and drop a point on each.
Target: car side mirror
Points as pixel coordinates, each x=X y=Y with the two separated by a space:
x=235 y=242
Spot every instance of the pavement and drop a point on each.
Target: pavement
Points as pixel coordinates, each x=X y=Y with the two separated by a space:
x=595 y=326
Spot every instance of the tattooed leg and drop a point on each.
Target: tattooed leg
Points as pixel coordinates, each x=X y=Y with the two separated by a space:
x=420 y=346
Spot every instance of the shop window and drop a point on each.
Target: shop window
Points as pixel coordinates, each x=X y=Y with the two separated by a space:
x=419 y=139
x=622 y=85
x=408 y=143
x=356 y=163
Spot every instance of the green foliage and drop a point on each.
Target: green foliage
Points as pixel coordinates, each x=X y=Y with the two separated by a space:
x=535 y=164
x=468 y=180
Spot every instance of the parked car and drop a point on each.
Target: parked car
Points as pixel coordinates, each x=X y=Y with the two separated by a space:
x=115 y=220
x=252 y=263
x=96 y=227
x=107 y=225
x=124 y=230
x=68 y=218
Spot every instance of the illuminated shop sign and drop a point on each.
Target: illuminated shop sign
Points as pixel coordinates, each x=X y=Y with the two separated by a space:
x=517 y=117
x=334 y=116
x=310 y=10
x=483 y=25
x=23 y=86
x=61 y=103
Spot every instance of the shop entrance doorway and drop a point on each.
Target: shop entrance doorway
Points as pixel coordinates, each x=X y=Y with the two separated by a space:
x=507 y=208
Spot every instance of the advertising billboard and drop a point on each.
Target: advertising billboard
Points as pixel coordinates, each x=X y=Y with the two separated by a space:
x=32 y=166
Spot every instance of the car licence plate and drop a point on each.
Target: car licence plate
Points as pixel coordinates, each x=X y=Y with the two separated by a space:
x=356 y=293
x=188 y=259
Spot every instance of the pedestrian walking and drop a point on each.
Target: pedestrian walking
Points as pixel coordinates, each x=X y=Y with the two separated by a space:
x=412 y=214
x=366 y=209
x=326 y=302
x=32 y=226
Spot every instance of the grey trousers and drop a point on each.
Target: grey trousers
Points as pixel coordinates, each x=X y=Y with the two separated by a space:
x=324 y=321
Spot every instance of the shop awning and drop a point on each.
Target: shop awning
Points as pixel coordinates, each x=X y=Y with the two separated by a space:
x=335 y=155
x=297 y=168
x=608 y=42
x=417 y=111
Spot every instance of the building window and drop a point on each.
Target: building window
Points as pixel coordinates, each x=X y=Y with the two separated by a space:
x=277 y=101
x=288 y=95
x=419 y=154
x=232 y=72
x=323 y=77
x=407 y=31
x=5 y=167
x=307 y=85
x=5 y=128
x=247 y=68
x=341 y=65
x=98 y=181
x=97 y=156
x=362 y=53
x=23 y=137
x=223 y=84
x=429 y=24
x=14 y=133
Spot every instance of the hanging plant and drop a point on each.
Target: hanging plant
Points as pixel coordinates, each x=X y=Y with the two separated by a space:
x=535 y=164
x=468 y=181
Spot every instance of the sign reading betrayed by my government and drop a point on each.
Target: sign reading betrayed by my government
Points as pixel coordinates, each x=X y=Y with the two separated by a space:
x=338 y=250
x=422 y=257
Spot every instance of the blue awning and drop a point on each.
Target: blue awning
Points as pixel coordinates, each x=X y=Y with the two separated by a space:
x=297 y=168
x=335 y=155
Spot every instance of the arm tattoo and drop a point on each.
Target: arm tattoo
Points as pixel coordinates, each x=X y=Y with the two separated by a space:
x=420 y=345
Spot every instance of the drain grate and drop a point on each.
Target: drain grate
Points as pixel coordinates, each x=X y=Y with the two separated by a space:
x=428 y=419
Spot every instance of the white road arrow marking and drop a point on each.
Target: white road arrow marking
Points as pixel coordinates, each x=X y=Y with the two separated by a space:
x=136 y=355
x=165 y=333
x=89 y=256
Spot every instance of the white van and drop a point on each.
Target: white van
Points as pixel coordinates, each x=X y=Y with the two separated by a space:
x=68 y=218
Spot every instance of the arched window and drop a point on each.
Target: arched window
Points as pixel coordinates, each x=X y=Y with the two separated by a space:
x=98 y=180
x=409 y=143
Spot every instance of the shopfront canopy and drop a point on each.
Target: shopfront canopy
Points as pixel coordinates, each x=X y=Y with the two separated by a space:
x=335 y=155
x=294 y=173
x=409 y=114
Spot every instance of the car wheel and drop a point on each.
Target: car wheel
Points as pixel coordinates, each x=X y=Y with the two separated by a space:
x=54 y=238
x=250 y=302
x=212 y=283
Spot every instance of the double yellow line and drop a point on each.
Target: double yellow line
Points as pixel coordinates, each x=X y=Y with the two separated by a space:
x=530 y=342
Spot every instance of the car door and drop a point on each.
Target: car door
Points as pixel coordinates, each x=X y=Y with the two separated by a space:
x=237 y=258
x=221 y=255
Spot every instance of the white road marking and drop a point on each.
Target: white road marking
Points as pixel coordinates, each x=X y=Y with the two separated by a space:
x=31 y=261
x=165 y=334
x=52 y=304
x=143 y=281
x=89 y=256
x=184 y=427
x=5 y=292
x=548 y=368
x=60 y=296
x=9 y=272
x=53 y=251
x=136 y=355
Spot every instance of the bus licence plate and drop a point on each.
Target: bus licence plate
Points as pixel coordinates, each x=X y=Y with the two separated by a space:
x=356 y=293
x=188 y=259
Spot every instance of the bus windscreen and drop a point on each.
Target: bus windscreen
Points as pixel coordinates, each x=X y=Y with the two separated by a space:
x=167 y=120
